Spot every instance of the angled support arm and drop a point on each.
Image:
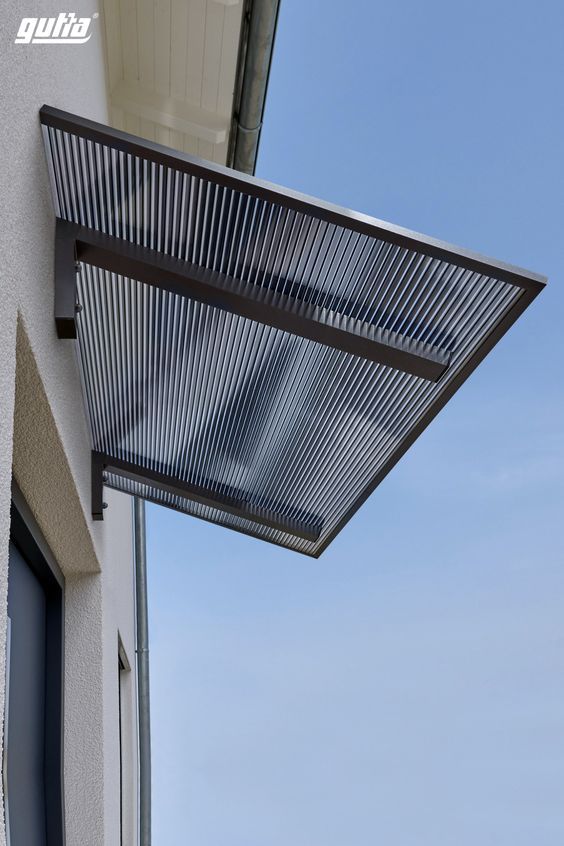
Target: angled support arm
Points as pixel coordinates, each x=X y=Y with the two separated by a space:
x=219 y=290
x=238 y=505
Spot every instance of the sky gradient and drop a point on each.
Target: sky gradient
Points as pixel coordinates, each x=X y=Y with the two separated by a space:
x=407 y=688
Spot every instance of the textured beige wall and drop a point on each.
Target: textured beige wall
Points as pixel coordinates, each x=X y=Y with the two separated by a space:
x=42 y=471
x=51 y=451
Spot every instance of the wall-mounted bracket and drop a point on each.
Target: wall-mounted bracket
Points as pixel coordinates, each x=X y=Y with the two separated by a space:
x=66 y=269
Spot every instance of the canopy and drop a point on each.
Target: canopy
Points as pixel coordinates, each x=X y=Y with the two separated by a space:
x=249 y=355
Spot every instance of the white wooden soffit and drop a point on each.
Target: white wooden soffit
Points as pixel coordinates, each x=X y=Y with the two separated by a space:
x=171 y=112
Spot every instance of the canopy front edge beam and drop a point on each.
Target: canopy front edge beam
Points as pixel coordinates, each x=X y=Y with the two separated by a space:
x=78 y=243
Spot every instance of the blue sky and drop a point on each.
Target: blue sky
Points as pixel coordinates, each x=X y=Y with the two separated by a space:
x=407 y=688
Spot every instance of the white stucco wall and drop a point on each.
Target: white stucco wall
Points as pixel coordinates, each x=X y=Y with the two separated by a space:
x=96 y=558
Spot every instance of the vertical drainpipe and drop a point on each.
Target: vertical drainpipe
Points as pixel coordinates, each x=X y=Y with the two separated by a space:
x=258 y=47
x=258 y=44
x=142 y=652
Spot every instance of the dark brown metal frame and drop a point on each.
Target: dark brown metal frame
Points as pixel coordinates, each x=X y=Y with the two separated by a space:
x=123 y=257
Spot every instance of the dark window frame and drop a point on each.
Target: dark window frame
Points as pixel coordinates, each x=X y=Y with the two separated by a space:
x=26 y=537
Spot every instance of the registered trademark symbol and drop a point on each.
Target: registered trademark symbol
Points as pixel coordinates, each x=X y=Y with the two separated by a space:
x=96 y=15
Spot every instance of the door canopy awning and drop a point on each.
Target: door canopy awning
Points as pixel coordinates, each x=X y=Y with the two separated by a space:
x=250 y=355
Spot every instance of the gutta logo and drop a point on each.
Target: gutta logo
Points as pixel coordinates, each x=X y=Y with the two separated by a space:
x=64 y=29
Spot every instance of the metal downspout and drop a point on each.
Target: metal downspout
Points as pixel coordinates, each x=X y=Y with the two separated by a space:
x=257 y=48
x=142 y=650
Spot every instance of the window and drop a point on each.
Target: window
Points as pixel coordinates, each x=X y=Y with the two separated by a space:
x=32 y=766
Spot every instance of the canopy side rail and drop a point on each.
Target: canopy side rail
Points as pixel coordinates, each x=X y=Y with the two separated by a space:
x=497 y=332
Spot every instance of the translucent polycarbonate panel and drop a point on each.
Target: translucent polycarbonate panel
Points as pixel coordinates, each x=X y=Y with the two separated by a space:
x=220 y=401
x=226 y=403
